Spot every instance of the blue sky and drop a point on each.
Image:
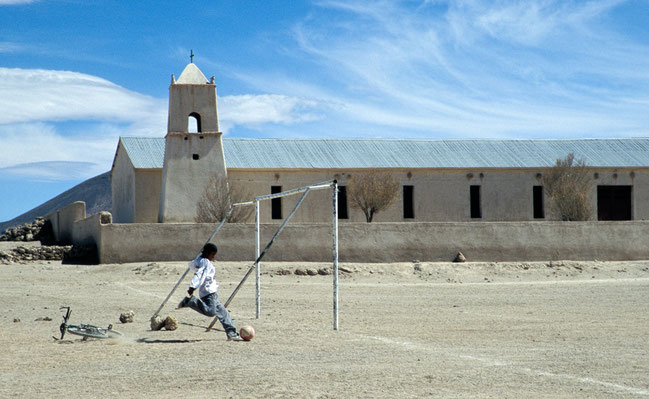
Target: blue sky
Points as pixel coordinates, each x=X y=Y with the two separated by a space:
x=75 y=74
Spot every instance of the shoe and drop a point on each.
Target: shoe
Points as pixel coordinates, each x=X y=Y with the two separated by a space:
x=233 y=336
x=182 y=303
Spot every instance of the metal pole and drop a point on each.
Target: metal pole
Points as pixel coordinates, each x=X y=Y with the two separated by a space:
x=257 y=249
x=187 y=271
x=318 y=186
x=272 y=240
x=335 y=251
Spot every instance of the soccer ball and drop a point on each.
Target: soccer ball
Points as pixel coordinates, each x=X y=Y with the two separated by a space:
x=247 y=333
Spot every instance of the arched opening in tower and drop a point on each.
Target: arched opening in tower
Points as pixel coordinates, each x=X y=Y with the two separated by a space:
x=194 y=123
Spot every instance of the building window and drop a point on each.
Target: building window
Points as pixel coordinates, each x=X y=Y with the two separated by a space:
x=476 y=209
x=614 y=202
x=408 y=202
x=537 y=199
x=276 y=203
x=342 y=203
x=194 y=123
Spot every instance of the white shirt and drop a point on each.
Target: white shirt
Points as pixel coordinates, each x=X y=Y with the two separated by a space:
x=203 y=277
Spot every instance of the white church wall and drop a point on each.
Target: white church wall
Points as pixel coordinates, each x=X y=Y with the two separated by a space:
x=147 y=195
x=123 y=187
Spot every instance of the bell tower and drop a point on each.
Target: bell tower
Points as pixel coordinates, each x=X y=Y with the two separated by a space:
x=191 y=158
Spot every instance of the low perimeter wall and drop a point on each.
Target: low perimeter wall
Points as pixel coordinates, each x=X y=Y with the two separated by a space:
x=382 y=242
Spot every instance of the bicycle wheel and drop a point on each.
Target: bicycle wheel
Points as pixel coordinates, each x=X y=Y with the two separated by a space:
x=90 y=331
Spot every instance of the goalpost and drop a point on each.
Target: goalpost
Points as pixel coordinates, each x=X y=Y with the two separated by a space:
x=260 y=254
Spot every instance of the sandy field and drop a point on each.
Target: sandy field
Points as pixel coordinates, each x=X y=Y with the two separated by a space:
x=407 y=330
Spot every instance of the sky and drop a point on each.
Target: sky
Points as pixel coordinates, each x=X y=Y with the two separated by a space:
x=75 y=75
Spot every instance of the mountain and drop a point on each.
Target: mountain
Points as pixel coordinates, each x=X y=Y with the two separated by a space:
x=95 y=192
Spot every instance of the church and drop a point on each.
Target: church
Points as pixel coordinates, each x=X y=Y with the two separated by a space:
x=163 y=179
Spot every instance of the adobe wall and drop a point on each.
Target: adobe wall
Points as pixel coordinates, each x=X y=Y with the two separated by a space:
x=383 y=242
x=440 y=195
x=122 y=180
x=63 y=220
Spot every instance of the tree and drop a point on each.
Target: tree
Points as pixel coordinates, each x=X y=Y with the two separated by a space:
x=372 y=192
x=217 y=198
x=567 y=186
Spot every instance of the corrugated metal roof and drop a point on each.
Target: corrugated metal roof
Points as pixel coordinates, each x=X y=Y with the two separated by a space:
x=380 y=153
x=145 y=152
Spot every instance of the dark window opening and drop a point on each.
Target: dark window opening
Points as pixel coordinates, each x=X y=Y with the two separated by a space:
x=194 y=123
x=537 y=199
x=614 y=202
x=408 y=202
x=276 y=203
x=342 y=203
x=195 y=157
x=476 y=209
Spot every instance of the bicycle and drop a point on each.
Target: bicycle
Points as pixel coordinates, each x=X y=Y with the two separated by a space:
x=86 y=330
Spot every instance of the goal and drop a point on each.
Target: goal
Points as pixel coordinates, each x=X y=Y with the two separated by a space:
x=259 y=253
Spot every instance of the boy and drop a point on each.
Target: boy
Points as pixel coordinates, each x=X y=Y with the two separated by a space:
x=203 y=280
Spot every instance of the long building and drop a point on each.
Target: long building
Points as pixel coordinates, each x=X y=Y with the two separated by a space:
x=163 y=179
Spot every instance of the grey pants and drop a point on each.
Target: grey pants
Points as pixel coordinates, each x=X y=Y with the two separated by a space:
x=209 y=305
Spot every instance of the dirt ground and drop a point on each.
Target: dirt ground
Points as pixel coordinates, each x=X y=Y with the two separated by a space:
x=407 y=330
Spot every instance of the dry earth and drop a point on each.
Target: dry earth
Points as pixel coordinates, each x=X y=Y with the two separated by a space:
x=407 y=330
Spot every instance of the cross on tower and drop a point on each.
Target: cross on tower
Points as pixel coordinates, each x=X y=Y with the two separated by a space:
x=191 y=56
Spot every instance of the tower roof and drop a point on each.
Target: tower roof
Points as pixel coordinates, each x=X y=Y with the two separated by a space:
x=191 y=75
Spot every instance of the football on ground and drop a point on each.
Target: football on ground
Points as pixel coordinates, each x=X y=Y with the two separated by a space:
x=247 y=333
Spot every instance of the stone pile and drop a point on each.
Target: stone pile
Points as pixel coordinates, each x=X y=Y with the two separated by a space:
x=127 y=317
x=26 y=232
x=158 y=323
x=66 y=253
x=19 y=254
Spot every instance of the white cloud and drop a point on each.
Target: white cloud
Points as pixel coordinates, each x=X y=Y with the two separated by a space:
x=47 y=171
x=45 y=95
x=38 y=138
x=39 y=149
x=9 y=47
x=469 y=68
x=259 y=109
x=14 y=2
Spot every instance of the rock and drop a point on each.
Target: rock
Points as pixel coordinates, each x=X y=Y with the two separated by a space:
x=311 y=272
x=16 y=320
x=127 y=317
x=105 y=217
x=44 y=319
x=284 y=272
x=300 y=272
x=157 y=323
x=38 y=230
x=35 y=253
x=171 y=323
x=459 y=258
x=324 y=271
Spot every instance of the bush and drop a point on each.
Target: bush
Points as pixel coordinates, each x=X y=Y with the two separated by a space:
x=567 y=186
x=372 y=192
x=217 y=199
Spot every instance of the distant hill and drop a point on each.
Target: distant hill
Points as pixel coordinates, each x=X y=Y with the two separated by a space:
x=95 y=192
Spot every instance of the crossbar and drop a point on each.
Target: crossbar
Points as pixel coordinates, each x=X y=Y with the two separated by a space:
x=298 y=190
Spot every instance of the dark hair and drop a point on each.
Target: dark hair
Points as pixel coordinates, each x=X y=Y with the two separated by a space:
x=209 y=248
